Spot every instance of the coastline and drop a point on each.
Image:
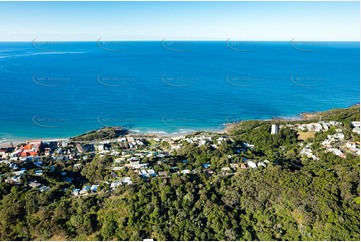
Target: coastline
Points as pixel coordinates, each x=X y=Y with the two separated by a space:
x=304 y=116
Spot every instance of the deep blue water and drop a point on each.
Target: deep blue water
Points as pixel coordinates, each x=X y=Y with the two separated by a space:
x=54 y=89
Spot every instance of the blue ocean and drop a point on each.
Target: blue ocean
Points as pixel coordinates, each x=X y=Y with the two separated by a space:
x=62 y=89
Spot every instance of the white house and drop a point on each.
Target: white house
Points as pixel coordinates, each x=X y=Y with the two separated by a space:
x=251 y=164
x=94 y=188
x=152 y=173
x=274 y=129
x=185 y=172
x=75 y=191
x=127 y=180
x=38 y=173
x=115 y=184
x=85 y=189
x=43 y=188
x=355 y=124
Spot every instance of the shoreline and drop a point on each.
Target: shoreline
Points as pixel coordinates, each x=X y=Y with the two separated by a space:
x=304 y=116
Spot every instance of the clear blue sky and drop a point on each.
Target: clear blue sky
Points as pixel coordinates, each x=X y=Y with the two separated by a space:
x=25 y=21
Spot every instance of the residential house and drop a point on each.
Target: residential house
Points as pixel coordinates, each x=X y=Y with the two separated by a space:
x=144 y=173
x=127 y=181
x=275 y=128
x=185 y=172
x=163 y=174
x=220 y=140
x=151 y=173
x=38 y=172
x=115 y=184
x=47 y=151
x=43 y=188
x=3 y=154
x=234 y=166
x=14 y=179
x=94 y=188
x=75 y=191
x=249 y=145
x=34 y=184
x=225 y=170
x=206 y=166
x=30 y=149
x=251 y=164
x=85 y=189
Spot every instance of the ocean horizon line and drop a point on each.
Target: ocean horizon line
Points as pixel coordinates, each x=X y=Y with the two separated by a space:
x=179 y=40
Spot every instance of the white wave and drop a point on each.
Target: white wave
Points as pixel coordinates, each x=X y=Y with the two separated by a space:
x=41 y=53
x=157 y=132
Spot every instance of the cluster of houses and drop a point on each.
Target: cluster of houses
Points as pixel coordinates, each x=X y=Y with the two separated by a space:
x=203 y=139
x=328 y=143
x=314 y=126
x=333 y=142
x=248 y=163
x=307 y=151
x=85 y=190
x=132 y=153
x=29 y=149
x=123 y=181
x=353 y=147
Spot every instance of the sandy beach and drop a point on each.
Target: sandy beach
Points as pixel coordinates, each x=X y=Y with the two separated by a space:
x=160 y=134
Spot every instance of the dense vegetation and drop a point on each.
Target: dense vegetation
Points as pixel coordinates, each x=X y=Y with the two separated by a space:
x=103 y=133
x=339 y=114
x=292 y=199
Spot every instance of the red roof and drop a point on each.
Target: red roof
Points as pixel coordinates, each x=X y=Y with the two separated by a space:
x=30 y=153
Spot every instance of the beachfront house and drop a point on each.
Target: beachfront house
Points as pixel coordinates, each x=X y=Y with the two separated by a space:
x=3 y=154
